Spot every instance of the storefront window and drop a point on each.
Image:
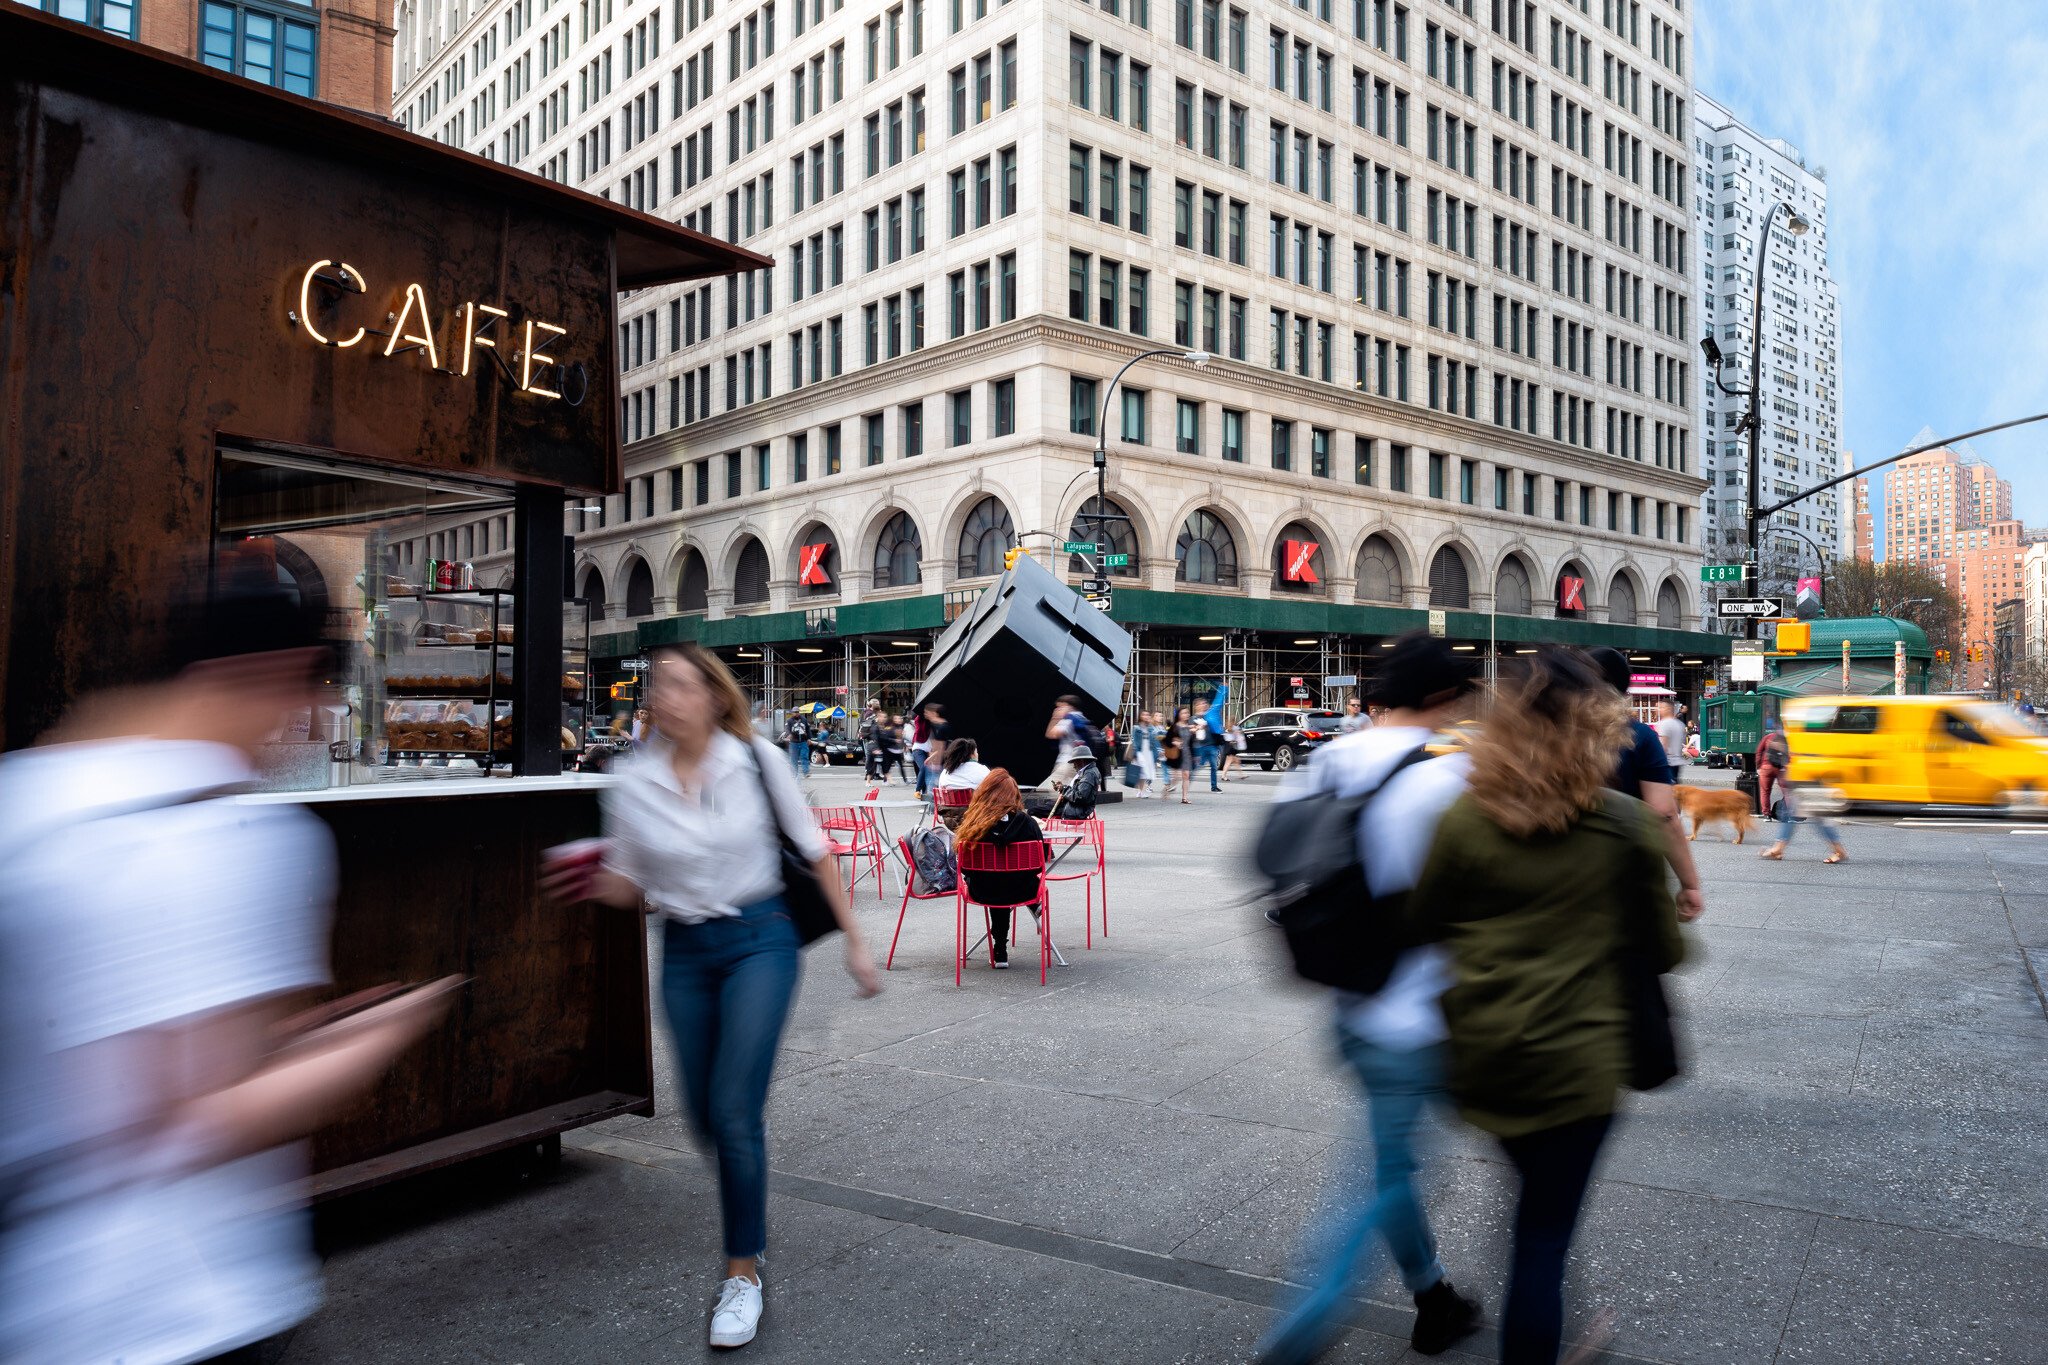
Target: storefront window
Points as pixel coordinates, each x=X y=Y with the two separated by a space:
x=987 y=534
x=1379 y=571
x=1205 y=552
x=1511 y=590
x=899 y=554
x=423 y=672
x=1450 y=583
x=1104 y=522
x=1298 y=559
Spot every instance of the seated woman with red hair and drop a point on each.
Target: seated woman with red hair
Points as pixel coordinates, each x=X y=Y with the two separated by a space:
x=996 y=816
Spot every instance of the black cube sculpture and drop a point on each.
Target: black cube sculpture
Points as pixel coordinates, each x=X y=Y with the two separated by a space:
x=1002 y=665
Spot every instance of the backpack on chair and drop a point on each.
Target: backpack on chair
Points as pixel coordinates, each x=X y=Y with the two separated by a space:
x=1338 y=933
x=935 y=870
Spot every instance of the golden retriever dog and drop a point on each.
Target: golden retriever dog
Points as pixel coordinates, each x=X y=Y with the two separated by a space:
x=1705 y=806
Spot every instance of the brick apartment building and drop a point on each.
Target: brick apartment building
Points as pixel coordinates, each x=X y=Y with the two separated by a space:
x=338 y=51
x=1951 y=514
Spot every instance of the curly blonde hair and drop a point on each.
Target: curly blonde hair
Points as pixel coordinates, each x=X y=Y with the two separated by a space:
x=1551 y=741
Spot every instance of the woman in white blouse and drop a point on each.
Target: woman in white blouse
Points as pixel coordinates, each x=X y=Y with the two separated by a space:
x=961 y=769
x=693 y=835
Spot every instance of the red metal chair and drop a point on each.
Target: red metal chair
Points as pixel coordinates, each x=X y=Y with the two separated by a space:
x=910 y=893
x=1024 y=857
x=1089 y=849
x=850 y=833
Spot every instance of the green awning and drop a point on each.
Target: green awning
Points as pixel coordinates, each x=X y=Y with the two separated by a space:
x=1192 y=610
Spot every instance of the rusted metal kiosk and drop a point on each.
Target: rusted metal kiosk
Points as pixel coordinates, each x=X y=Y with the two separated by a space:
x=238 y=323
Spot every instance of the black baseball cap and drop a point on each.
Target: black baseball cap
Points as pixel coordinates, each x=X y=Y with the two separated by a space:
x=1612 y=665
x=1421 y=671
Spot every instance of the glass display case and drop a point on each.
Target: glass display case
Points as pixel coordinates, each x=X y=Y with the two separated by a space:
x=448 y=675
x=575 y=679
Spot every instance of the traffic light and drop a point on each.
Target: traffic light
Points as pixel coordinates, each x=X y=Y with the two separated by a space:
x=1976 y=654
x=1010 y=557
x=1941 y=656
x=622 y=691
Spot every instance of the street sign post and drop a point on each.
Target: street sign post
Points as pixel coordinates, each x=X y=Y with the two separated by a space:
x=1721 y=573
x=1089 y=585
x=1116 y=561
x=1758 y=608
x=1746 y=664
x=1079 y=547
x=1438 y=623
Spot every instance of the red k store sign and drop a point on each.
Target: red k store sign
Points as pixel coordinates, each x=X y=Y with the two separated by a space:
x=1571 y=594
x=811 y=564
x=1298 y=560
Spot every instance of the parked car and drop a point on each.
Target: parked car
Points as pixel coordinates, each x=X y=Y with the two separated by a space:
x=837 y=748
x=1280 y=739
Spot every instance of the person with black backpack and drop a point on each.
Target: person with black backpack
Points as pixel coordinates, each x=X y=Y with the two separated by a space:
x=798 y=735
x=1342 y=908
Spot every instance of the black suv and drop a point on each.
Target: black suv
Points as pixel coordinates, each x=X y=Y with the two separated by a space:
x=1281 y=739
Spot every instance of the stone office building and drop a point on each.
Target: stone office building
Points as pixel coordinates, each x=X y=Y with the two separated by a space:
x=1438 y=257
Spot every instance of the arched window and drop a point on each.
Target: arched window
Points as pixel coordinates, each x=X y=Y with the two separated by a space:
x=1621 y=601
x=1511 y=591
x=750 y=579
x=693 y=585
x=1574 y=584
x=1450 y=584
x=592 y=591
x=983 y=539
x=817 y=564
x=1116 y=535
x=639 y=589
x=1669 y=606
x=899 y=554
x=1298 y=559
x=1379 y=571
x=1205 y=552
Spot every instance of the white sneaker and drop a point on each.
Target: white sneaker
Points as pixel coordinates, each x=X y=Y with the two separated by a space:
x=738 y=1315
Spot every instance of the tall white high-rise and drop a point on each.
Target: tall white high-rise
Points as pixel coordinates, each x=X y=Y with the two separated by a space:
x=1738 y=174
x=1440 y=252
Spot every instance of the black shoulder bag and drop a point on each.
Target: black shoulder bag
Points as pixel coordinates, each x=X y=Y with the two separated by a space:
x=1653 y=1055
x=809 y=909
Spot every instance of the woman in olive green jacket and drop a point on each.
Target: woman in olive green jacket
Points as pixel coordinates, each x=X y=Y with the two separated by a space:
x=1538 y=878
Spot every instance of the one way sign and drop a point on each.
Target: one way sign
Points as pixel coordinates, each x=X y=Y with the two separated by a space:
x=1759 y=607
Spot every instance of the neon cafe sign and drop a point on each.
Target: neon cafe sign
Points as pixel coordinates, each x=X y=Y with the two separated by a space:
x=471 y=337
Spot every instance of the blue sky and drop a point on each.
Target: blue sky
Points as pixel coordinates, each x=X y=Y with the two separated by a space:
x=1931 y=118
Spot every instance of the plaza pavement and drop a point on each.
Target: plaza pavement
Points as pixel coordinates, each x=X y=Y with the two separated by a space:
x=1117 y=1167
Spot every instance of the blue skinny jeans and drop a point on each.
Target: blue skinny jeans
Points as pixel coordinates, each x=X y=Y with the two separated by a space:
x=1399 y=1088
x=727 y=986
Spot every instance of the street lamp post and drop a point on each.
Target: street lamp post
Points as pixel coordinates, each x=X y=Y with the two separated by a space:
x=1102 y=518
x=1797 y=225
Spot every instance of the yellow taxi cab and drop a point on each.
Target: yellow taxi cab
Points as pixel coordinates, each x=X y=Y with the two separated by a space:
x=1915 y=751
x=1454 y=738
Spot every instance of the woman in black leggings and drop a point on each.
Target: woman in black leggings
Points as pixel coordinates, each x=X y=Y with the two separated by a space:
x=1538 y=882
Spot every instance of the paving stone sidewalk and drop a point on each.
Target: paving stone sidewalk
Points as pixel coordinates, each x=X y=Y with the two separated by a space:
x=1118 y=1167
